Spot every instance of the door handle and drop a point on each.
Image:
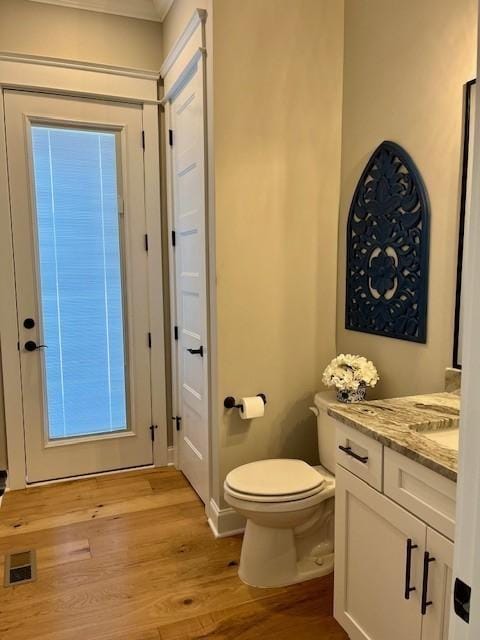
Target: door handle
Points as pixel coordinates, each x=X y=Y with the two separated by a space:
x=30 y=345
x=408 y=568
x=198 y=351
x=352 y=454
x=427 y=559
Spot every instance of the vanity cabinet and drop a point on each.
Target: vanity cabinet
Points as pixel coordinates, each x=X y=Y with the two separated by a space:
x=393 y=576
x=370 y=547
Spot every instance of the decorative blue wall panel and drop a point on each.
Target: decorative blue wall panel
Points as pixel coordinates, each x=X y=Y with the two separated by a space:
x=387 y=248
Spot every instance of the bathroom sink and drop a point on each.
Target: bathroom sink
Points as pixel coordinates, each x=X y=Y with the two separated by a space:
x=448 y=437
x=439 y=421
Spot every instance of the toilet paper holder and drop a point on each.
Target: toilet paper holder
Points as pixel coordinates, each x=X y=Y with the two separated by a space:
x=231 y=403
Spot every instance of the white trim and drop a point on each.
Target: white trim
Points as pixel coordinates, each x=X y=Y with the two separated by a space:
x=224 y=522
x=216 y=484
x=48 y=75
x=139 y=9
x=64 y=63
x=467 y=555
x=155 y=283
x=198 y=18
x=3 y=495
x=67 y=442
x=188 y=52
x=182 y=78
x=105 y=97
x=166 y=9
x=12 y=386
x=172 y=285
x=171 y=456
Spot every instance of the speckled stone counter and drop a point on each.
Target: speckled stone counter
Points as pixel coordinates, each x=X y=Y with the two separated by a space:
x=398 y=423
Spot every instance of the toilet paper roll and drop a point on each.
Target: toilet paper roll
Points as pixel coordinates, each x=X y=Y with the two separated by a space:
x=252 y=407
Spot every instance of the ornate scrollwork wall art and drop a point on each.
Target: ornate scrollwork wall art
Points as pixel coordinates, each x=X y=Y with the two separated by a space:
x=387 y=248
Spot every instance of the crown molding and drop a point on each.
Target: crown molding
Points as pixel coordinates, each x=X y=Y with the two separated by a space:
x=163 y=7
x=154 y=10
x=198 y=18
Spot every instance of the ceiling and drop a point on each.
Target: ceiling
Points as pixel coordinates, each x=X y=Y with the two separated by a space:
x=143 y=9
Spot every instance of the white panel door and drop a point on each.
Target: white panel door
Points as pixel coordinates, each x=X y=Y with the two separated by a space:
x=188 y=201
x=76 y=179
x=379 y=550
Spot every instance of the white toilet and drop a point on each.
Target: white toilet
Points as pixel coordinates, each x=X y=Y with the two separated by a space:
x=289 y=507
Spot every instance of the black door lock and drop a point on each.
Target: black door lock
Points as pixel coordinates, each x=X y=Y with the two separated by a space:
x=29 y=323
x=196 y=351
x=30 y=345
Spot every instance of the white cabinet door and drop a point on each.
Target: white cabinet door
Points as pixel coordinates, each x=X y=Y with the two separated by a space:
x=371 y=541
x=437 y=586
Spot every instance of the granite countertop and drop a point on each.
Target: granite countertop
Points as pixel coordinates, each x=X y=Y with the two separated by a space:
x=399 y=423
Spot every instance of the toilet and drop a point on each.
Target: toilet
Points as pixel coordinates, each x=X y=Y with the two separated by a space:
x=289 y=508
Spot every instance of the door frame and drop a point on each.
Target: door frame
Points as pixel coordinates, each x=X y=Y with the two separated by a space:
x=466 y=565
x=83 y=80
x=188 y=52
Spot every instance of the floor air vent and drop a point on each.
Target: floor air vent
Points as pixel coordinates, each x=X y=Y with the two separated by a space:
x=20 y=568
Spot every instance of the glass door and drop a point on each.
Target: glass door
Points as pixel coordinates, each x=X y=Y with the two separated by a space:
x=79 y=246
x=81 y=271
x=78 y=235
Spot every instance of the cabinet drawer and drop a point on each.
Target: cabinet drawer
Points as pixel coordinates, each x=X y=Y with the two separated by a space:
x=360 y=454
x=423 y=492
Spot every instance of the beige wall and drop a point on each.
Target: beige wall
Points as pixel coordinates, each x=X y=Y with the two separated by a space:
x=177 y=18
x=405 y=67
x=61 y=32
x=277 y=117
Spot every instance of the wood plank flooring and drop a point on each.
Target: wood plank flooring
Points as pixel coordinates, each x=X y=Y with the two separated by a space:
x=131 y=557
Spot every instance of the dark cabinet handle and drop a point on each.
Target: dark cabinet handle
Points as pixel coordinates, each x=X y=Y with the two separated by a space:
x=408 y=568
x=30 y=345
x=196 y=351
x=426 y=565
x=349 y=452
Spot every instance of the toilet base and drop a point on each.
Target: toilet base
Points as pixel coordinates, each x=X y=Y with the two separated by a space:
x=269 y=558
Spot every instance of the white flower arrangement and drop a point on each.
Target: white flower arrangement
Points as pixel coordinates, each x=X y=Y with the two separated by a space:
x=349 y=373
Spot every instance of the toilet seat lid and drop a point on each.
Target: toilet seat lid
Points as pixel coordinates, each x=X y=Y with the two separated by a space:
x=278 y=477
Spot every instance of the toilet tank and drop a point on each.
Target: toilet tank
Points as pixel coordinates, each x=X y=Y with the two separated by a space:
x=325 y=429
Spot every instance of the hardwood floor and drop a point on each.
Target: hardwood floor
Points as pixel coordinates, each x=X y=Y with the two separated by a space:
x=131 y=557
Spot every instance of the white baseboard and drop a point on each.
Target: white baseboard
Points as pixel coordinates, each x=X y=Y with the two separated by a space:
x=3 y=495
x=224 y=522
x=171 y=456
